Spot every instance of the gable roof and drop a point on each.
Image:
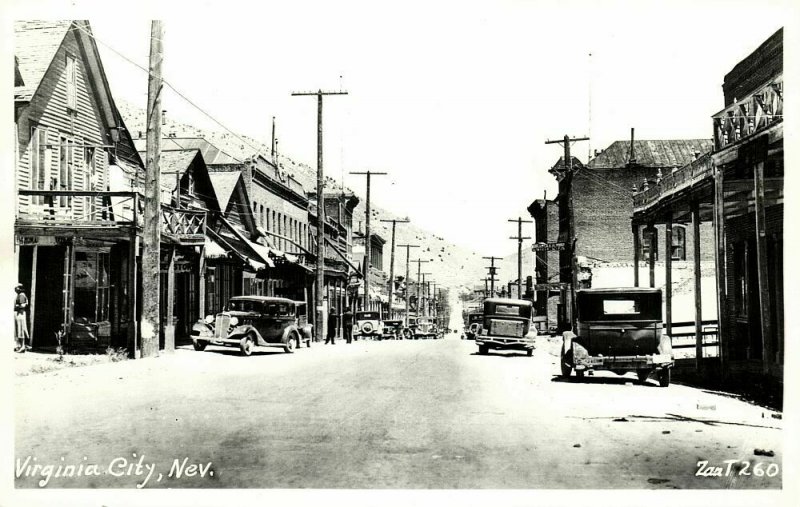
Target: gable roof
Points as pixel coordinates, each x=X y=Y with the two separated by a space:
x=35 y=46
x=171 y=163
x=224 y=184
x=211 y=154
x=654 y=153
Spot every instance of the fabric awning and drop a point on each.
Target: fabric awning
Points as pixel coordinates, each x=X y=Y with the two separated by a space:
x=214 y=250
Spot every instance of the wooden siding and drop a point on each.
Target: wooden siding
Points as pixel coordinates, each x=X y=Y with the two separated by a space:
x=48 y=109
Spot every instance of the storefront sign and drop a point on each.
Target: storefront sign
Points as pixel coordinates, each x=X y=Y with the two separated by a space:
x=547 y=247
x=40 y=240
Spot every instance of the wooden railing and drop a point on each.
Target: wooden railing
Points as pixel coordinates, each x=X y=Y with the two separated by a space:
x=78 y=208
x=749 y=115
x=676 y=180
x=685 y=341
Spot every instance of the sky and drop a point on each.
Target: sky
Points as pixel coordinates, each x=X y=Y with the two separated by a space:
x=454 y=100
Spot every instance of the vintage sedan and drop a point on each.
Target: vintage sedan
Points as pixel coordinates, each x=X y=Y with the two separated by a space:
x=368 y=325
x=392 y=329
x=618 y=329
x=255 y=321
x=506 y=326
x=425 y=328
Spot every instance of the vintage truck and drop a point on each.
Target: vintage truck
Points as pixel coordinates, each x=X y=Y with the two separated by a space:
x=618 y=329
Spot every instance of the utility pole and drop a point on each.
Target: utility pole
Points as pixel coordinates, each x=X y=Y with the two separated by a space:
x=434 y=310
x=320 y=320
x=492 y=271
x=566 y=142
x=408 y=262
x=391 y=262
x=424 y=295
x=519 y=237
x=367 y=238
x=151 y=230
x=419 y=279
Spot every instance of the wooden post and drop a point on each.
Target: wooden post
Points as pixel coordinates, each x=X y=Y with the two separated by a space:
x=763 y=269
x=169 y=326
x=668 y=272
x=698 y=300
x=133 y=321
x=201 y=285
x=33 y=292
x=151 y=252
x=719 y=260
x=651 y=264
x=636 y=250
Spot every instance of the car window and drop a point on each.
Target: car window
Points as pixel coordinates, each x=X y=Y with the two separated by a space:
x=620 y=307
x=244 y=306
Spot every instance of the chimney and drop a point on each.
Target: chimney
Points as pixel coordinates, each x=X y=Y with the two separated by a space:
x=632 y=156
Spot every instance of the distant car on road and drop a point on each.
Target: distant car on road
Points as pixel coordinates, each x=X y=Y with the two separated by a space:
x=392 y=329
x=368 y=325
x=618 y=329
x=474 y=324
x=506 y=326
x=255 y=321
x=425 y=328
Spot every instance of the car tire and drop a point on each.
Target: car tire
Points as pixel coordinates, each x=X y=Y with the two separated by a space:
x=483 y=350
x=580 y=373
x=289 y=347
x=200 y=345
x=643 y=374
x=664 y=377
x=246 y=345
x=308 y=343
x=566 y=368
x=529 y=352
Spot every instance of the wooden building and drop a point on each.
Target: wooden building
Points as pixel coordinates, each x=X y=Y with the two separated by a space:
x=739 y=189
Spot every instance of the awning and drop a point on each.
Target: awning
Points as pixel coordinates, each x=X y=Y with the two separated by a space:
x=256 y=263
x=214 y=250
x=358 y=272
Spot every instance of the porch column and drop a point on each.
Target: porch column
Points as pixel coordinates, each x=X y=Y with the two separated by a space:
x=133 y=321
x=169 y=326
x=720 y=264
x=698 y=303
x=668 y=272
x=32 y=304
x=201 y=285
x=636 y=249
x=763 y=276
x=651 y=238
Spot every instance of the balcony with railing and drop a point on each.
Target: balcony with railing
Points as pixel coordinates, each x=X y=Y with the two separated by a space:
x=115 y=214
x=674 y=182
x=750 y=115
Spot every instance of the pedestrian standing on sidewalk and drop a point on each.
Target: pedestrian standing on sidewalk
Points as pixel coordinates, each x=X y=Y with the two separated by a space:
x=20 y=318
x=331 y=337
x=347 y=324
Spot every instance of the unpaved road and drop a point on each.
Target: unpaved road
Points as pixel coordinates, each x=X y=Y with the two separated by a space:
x=409 y=414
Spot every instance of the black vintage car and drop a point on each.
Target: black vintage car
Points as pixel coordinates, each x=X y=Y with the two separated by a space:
x=506 y=326
x=474 y=325
x=255 y=321
x=618 y=329
x=392 y=329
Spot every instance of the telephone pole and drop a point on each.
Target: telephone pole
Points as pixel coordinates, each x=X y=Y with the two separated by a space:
x=367 y=238
x=425 y=296
x=519 y=237
x=419 y=279
x=320 y=320
x=492 y=272
x=151 y=230
x=408 y=262
x=566 y=143
x=391 y=262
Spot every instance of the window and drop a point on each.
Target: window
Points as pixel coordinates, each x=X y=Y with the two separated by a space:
x=266 y=219
x=39 y=161
x=72 y=83
x=66 y=165
x=91 y=286
x=646 y=234
x=189 y=183
x=90 y=179
x=678 y=251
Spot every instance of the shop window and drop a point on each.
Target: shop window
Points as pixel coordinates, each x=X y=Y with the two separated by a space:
x=92 y=286
x=646 y=234
x=678 y=250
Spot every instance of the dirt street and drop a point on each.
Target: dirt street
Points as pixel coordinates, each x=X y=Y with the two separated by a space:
x=407 y=414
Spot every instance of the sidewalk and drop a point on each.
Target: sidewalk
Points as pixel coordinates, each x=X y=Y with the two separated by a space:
x=38 y=361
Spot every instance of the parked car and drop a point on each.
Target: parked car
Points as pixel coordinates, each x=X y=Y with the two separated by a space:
x=368 y=325
x=425 y=328
x=506 y=326
x=620 y=330
x=474 y=324
x=392 y=329
x=255 y=321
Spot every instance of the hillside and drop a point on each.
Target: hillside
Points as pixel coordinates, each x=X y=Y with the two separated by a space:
x=450 y=265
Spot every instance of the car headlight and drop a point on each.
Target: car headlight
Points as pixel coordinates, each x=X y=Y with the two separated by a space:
x=209 y=319
x=234 y=321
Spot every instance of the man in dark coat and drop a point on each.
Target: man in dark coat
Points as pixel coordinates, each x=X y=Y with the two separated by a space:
x=347 y=324
x=332 y=321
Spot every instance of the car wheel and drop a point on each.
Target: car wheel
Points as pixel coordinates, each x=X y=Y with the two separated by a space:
x=200 y=345
x=664 y=377
x=566 y=367
x=289 y=348
x=643 y=374
x=483 y=350
x=246 y=345
x=529 y=352
x=308 y=343
x=580 y=373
